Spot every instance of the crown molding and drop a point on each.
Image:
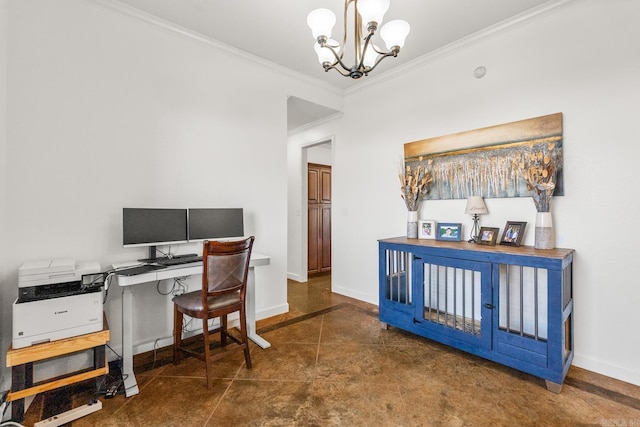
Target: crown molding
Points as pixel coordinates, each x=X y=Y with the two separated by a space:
x=517 y=21
x=315 y=123
x=194 y=35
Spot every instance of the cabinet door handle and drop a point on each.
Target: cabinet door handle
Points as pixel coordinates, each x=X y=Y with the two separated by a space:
x=489 y=306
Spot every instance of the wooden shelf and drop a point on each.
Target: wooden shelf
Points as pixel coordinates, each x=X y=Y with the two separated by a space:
x=21 y=362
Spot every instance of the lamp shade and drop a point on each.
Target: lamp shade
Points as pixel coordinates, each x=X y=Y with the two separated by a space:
x=372 y=10
x=395 y=32
x=370 y=56
x=321 y=22
x=475 y=205
x=324 y=53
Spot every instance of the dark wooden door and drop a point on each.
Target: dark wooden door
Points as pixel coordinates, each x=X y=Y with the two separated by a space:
x=319 y=218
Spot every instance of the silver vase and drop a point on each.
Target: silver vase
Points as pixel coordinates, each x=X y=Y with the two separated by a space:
x=412 y=224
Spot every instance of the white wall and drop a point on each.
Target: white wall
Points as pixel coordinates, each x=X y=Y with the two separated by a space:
x=5 y=303
x=106 y=111
x=581 y=61
x=320 y=154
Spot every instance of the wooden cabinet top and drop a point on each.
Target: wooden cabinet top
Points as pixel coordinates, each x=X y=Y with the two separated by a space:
x=491 y=253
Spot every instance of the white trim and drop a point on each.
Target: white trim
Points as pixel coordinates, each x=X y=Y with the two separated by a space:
x=162 y=23
x=604 y=368
x=545 y=9
x=315 y=123
x=293 y=276
x=233 y=321
x=348 y=292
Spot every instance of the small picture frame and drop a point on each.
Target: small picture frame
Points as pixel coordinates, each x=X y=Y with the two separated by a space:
x=449 y=231
x=513 y=233
x=488 y=236
x=426 y=229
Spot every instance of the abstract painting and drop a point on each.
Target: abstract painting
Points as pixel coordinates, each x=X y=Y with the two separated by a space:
x=488 y=162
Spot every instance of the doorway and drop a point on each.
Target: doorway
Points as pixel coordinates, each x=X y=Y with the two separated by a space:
x=318 y=218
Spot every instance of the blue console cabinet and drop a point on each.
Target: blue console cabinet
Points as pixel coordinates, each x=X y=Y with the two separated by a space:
x=511 y=305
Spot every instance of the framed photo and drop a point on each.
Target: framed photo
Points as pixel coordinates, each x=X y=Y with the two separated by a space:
x=449 y=231
x=426 y=229
x=513 y=233
x=488 y=235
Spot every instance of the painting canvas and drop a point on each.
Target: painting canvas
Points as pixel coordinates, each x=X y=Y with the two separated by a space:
x=487 y=161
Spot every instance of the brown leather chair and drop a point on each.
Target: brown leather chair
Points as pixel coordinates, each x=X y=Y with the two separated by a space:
x=224 y=286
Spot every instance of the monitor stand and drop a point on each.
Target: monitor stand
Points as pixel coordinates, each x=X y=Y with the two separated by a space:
x=152 y=256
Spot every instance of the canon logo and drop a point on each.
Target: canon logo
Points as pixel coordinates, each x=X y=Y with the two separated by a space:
x=60 y=312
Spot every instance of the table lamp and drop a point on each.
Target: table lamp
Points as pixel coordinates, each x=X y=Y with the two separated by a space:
x=475 y=207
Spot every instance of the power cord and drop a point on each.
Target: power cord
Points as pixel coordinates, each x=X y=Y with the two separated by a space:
x=163 y=293
x=185 y=324
x=107 y=284
x=114 y=380
x=168 y=254
x=3 y=403
x=179 y=286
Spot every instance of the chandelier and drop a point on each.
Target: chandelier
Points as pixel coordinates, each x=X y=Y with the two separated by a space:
x=367 y=15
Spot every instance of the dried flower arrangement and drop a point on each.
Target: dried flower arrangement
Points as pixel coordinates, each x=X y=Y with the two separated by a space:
x=539 y=168
x=414 y=184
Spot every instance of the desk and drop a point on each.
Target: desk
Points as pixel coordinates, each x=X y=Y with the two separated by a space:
x=21 y=361
x=170 y=272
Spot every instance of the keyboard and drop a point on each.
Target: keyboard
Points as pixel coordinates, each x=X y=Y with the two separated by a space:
x=180 y=259
x=141 y=269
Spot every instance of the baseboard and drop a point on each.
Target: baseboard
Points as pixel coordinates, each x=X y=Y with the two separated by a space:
x=355 y=295
x=233 y=321
x=294 y=276
x=272 y=311
x=621 y=373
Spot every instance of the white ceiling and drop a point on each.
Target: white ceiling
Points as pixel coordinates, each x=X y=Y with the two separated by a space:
x=276 y=30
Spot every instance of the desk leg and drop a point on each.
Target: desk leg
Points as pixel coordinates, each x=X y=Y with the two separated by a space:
x=251 y=311
x=130 y=383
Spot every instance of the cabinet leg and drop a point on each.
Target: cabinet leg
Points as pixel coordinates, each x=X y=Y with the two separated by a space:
x=553 y=387
x=384 y=325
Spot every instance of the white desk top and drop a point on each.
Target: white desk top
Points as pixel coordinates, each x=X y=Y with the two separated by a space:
x=181 y=270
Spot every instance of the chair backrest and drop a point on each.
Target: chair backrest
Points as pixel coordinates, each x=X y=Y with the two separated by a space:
x=225 y=266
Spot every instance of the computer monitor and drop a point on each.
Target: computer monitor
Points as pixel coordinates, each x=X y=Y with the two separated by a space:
x=152 y=227
x=215 y=223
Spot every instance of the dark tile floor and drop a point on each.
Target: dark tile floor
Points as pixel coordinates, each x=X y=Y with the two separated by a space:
x=331 y=364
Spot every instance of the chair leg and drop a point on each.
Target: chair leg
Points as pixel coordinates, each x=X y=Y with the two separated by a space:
x=223 y=330
x=245 y=339
x=207 y=350
x=177 y=334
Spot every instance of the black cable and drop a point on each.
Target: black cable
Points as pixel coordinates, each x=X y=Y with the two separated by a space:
x=114 y=352
x=168 y=254
x=170 y=290
x=99 y=391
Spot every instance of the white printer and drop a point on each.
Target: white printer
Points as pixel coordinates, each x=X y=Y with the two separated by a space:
x=57 y=299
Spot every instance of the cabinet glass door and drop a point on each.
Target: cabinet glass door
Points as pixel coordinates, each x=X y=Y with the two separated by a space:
x=455 y=299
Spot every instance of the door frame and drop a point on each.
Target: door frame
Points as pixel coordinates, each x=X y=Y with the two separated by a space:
x=304 y=187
